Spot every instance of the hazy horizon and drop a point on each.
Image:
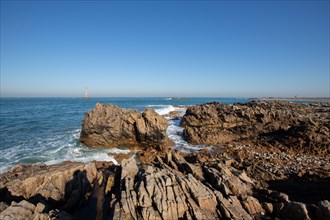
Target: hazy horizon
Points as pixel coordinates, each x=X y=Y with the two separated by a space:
x=165 y=49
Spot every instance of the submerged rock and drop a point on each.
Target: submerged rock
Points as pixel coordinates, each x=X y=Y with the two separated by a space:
x=111 y=126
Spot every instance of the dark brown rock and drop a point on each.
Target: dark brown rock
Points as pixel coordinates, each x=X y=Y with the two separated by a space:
x=111 y=126
x=323 y=210
x=294 y=211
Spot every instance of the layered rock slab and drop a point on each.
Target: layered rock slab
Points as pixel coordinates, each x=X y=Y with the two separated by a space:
x=172 y=185
x=111 y=126
x=64 y=184
x=37 y=191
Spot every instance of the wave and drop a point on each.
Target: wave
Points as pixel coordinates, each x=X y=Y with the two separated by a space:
x=54 y=149
x=64 y=145
x=166 y=109
x=175 y=133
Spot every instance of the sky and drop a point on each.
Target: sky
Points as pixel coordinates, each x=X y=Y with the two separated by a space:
x=165 y=48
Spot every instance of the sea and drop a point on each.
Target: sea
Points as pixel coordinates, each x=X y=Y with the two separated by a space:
x=47 y=130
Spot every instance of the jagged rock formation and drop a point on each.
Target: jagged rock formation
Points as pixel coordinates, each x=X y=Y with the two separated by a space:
x=49 y=182
x=234 y=181
x=172 y=185
x=65 y=186
x=111 y=126
x=301 y=127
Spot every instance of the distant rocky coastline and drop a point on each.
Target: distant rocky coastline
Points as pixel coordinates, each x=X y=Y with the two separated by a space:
x=270 y=160
x=302 y=99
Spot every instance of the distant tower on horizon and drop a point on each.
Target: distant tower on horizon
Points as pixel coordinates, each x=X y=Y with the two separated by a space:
x=86 y=93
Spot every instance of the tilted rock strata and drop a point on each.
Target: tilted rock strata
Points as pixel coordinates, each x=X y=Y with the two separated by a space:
x=111 y=126
x=304 y=128
x=172 y=185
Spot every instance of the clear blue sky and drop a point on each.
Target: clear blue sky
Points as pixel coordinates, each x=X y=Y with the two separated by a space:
x=165 y=48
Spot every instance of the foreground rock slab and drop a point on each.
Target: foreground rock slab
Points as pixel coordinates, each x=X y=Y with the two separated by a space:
x=111 y=126
x=171 y=185
x=32 y=190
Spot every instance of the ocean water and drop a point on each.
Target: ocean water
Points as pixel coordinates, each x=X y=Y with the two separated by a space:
x=46 y=130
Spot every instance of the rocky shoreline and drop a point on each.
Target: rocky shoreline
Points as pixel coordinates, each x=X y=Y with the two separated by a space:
x=300 y=99
x=247 y=174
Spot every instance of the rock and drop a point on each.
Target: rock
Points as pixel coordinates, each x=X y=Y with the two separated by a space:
x=41 y=216
x=201 y=194
x=103 y=164
x=323 y=210
x=22 y=210
x=63 y=184
x=268 y=207
x=294 y=211
x=253 y=206
x=171 y=185
x=111 y=126
x=40 y=208
x=129 y=168
x=304 y=128
x=60 y=214
x=110 y=184
x=3 y=206
x=231 y=208
x=174 y=115
x=121 y=156
x=245 y=178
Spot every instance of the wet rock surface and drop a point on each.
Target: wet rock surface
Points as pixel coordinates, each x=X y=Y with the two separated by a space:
x=111 y=126
x=303 y=128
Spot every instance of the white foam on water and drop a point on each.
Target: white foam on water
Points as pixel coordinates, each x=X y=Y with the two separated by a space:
x=118 y=151
x=97 y=156
x=54 y=150
x=4 y=168
x=66 y=146
x=166 y=109
x=175 y=133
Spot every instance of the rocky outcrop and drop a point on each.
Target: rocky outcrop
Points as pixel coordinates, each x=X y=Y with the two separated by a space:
x=172 y=185
x=65 y=186
x=66 y=183
x=111 y=126
x=234 y=181
x=172 y=188
x=300 y=127
x=24 y=210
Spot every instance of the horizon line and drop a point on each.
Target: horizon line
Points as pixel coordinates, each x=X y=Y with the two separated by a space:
x=241 y=97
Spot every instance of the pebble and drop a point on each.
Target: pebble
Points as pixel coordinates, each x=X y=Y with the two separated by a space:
x=278 y=163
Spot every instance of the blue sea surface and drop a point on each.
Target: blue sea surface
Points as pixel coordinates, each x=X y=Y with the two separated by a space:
x=46 y=130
